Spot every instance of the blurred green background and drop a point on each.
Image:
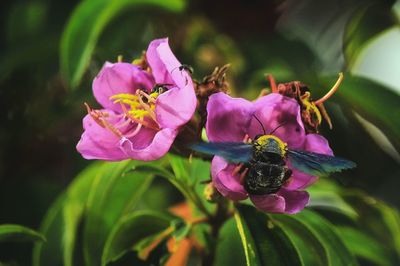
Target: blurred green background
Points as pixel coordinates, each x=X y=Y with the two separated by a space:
x=51 y=50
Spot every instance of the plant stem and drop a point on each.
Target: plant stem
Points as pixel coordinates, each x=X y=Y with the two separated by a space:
x=216 y=222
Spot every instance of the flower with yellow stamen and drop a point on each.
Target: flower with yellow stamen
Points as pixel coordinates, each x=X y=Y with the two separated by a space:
x=139 y=120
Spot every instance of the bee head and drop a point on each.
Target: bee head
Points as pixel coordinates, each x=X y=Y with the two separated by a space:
x=269 y=144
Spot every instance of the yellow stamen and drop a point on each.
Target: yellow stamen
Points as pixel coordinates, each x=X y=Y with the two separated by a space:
x=324 y=113
x=119 y=58
x=124 y=96
x=332 y=91
x=310 y=106
x=148 y=109
x=148 y=97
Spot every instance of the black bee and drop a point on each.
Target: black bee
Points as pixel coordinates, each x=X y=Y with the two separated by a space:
x=187 y=68
x=265 y=158
x=160 y=88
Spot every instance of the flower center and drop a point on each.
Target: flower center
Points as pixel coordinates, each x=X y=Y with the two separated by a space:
x=137 y=109
x=137 y=106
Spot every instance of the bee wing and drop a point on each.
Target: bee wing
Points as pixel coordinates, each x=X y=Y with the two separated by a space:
x=235 y=152
x=318 y=164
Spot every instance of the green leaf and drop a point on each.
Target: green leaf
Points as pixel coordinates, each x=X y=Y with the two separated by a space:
x=115 y=192
x=130 y=230
x=365 y=24
x=336 y=250
x=18 y=233
x=364 y=246
x=372 y=101
x=60 y=225
x=181 y=229
x=85 y=27
x=51 y=252
x=325 y=195
x=378 y=220
x=229 y=247
x=186 y=177
x=264 y=243
x=179 y=166
x=310 y=248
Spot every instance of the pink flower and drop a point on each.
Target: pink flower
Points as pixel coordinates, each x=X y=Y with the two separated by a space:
x=231 y=119
x=137 y=121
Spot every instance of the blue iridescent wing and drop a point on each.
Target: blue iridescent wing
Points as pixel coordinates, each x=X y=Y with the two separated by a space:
x=235 y=152
x=317 y=164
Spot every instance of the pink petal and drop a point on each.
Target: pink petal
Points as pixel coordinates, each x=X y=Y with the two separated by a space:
x=99 y=143
x=157 y=65
x=299 y=180
x=176 y=106
x=148 y=145
x=228 y=118
x=274 y=110
x=119 y=78
x=317 y=143
x=295 y=201
x=284 y=201
x=269 y=203
x=314 y=143
x=227 y=184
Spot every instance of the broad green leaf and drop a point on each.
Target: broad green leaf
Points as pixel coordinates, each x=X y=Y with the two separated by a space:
x=372 y=101
x=115 y=192
x=365 y=24
x=378 y=220
x=86 y=25
x=325 y=195
x=51 y=252
x=189 y=190
x=264 y=242
x=311 y=250
x=179 y=166
x=74 y=206
x=132 y=228
x=60 y=225
x=364 y=246
x=321 y=25
x=229 y=250
x=18 y=233
x=336 y=250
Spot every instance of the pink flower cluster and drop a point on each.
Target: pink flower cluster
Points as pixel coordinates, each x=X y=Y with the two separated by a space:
x=140 y=122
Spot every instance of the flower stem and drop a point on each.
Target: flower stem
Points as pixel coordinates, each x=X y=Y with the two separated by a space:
x=216 y=222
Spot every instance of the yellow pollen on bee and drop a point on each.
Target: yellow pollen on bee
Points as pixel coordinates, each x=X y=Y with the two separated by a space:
x=265 y=139
x=154 y=95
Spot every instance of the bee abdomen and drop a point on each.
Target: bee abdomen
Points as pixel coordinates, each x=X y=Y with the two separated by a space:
x=266 y=178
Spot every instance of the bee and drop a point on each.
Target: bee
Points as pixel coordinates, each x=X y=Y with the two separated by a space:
x=160 y=88
x=265 y=161
x=187 y=68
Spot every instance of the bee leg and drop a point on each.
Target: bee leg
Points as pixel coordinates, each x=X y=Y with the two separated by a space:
x=243 y=175
x=237 y=169
x=246 y=139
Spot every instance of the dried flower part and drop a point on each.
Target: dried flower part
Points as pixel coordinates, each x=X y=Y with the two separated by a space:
x=213 y=83
x=311 y=111
x=142 y=62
